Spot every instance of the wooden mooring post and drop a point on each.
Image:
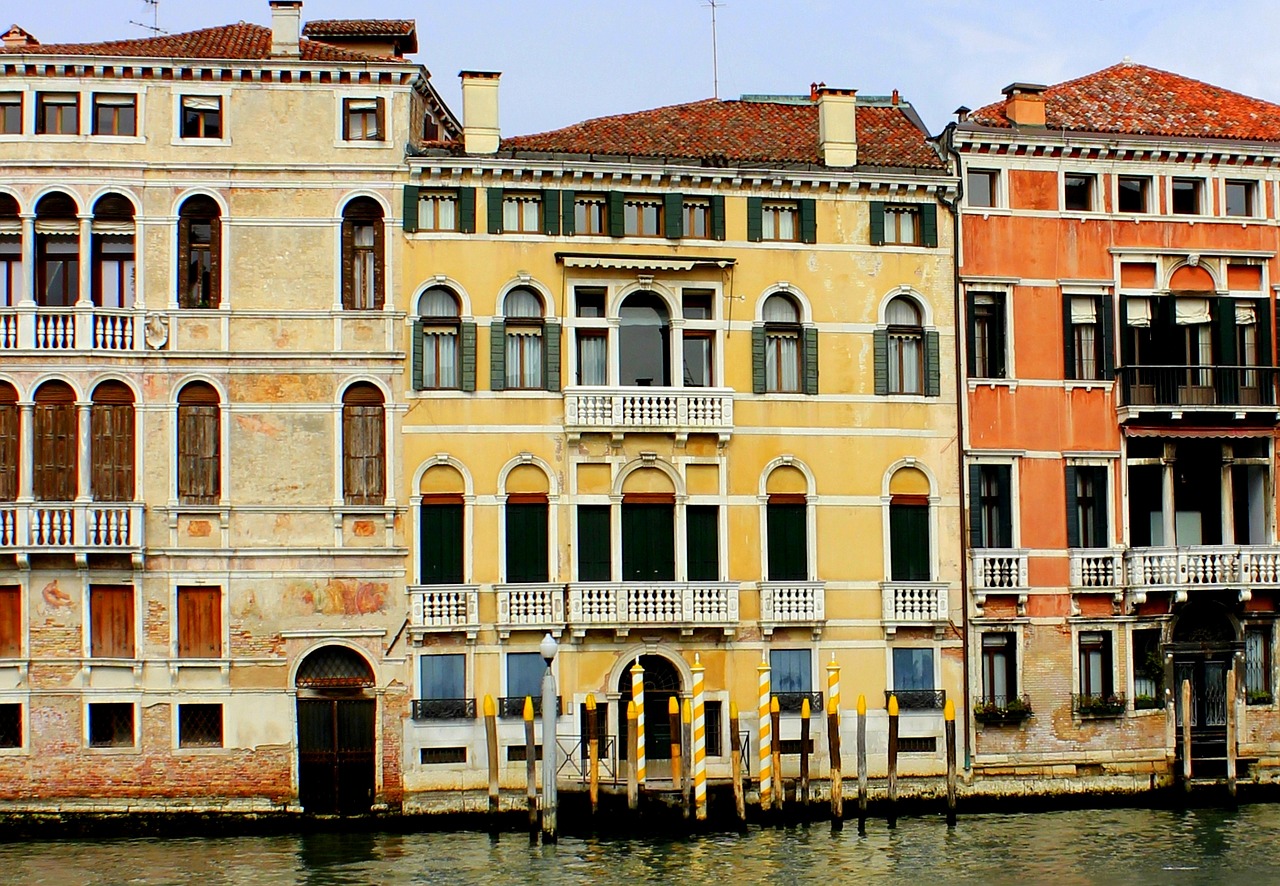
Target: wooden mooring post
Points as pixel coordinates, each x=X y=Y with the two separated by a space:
x=735 y=761
x=949 y=722
x=491 y=743
x=893 y=761
x=862 y=764
x=779 y=787
x=531 y=769
x=805 y=713
x=593 y=755
x=633 y=781
x=673 y=723
x=1231 y=731
x=1186 y=735
x=690 y=756
x=833 y=743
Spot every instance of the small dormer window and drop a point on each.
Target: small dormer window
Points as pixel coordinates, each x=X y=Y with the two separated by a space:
x=362 y=119
x=201 y=116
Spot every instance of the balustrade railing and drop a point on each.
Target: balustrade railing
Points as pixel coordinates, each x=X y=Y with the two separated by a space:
x=1203 y=566
x=451 y=607
x=679 y=411
x=71 y=526
x=1101 y=568
x=69 y=329
x=622 y=605
x=532 y=606
x=793 y=702
x=998 y=569
x=914 y=603
x=792 y=603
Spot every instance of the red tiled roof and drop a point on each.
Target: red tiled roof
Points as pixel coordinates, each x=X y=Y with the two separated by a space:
x=239 y=41
x=1134 y=99
x=737 y=131
x=359 y=27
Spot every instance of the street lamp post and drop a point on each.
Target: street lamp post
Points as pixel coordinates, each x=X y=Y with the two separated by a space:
x=548 y=648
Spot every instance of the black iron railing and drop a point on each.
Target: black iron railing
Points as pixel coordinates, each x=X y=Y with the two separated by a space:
x=997 y=709
x=513 y=706
x=918 y=699
x=444 y=709
x=793 y=702
x=1192 y=386
x=1098 y=705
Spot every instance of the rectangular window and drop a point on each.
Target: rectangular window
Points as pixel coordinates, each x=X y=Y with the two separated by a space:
x=362 y=119
x=114 y=275
x=526 y=539
x=1078 y=192
x=10 y=725
x=1257 y=665
x=593 y=357
x=10 y=622
x=791 y=670
x=642 y=217
x=1187 y=196
x=698 y=304
x=58 y=268
x=199 y=725
x=199 y=622
x=111 y=622
x=912 y=669
x=697 y=219
x=115 y=114
x=714 y=718
x=1095 y=665
x=594 y=545
x=57 y=113
x=702 y=528
x=441 y=543
x=10 y=271
x=1132 y=193
x=111 y=725
x=590 y=216
x=698 y=349
x=439 y=357
x=649 y=539
x=994 y=498
x=782 y=359
x=457 y=754
x=980 y=187
x=1148 y=670
x=437 y=211
x=443 y=676
x=788 y=538
x=10 y=113
x=521 y=213
x=902 y=225
x=986 y=335
x=780 y=221
x=589 y=301
x=1088 y=527
x=999 y=669
x=1240 y=198
x=909 y=539
x=525 y=671
x=201 y=116
x=523 y=355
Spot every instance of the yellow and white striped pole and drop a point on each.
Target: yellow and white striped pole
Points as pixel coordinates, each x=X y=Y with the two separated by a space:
x=833 y=685
x=766 y=734
x=637 y=695
x=699 y=741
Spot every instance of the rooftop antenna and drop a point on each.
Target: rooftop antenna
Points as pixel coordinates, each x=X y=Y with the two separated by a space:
x=154 y=27
x=715 y=59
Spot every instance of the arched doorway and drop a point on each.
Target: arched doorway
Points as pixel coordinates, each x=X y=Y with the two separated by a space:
x=1203 y=644
x=661 y=684
x=336 y=732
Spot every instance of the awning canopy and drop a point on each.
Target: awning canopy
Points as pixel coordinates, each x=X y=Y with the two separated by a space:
x=639 y=262
x=1199 y=433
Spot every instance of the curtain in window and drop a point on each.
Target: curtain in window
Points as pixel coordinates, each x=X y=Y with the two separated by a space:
x=592 y=357
x=780 y=309
x=904 y=363
x=524 y=357
x=437 y=302
x=782 y=362
x=363 y=267
x=440 y=359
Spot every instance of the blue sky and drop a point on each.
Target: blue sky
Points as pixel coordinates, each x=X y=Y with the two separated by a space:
x=568 y=60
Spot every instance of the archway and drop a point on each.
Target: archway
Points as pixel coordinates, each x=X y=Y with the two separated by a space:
x=661 y=684
x=644 y=340
x=1203 y=643
x=336 y=732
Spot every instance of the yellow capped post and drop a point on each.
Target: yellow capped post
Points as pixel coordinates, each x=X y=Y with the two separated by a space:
x=893 y=705
x=528 y=708
x=949 y=711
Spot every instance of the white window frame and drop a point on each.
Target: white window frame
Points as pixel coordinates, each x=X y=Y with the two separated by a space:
x=199 y=90
x=1202 y=208
x=1257 y=208
x=340 y=115
x=999 y=196
x=1096 y=205
x=1149 y=207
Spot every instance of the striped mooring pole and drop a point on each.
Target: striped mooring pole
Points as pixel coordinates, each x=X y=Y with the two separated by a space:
x=699 y=741
x=637 y=695
x=765 y=727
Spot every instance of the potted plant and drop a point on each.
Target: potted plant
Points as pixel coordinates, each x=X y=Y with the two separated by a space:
x=1100 y=705
x=1015 y=710
x=1258 y=696
x=1146 y=703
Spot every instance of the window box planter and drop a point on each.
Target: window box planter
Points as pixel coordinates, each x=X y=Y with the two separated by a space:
x=1147 y=703
x=1098 y=706
x=1000 y=711
x=1258 y=696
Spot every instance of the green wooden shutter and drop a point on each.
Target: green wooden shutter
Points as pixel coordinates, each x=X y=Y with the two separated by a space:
x=617 y=214
x=1068 y=340
x=755 y=219
x=717 y=217
x=415 y=348
x=932 y=365
x=673 y=215
x=880 y=359
x=467 y=210
x=1106 y=336
x=440 y=544
x=410 y=209
x=493 y=211
x=468 y=330
x=999 y=351
x=808 y=220
x=648 y=542
x=1223 y=312
x=1265 y=379
x=909 y=542
x=970 y=335
x=702 y=542
x=568 y=218
x=498 y=355
x=975 y=507
x=1103 y=499
x=788 y=542
x=1073 y=509
x=759 y=384
x=1004 y=501
x=929 y=224
x=1126 y=334
x=551 y=213
x=551 y=355
x=810 y=338
x=877 y=222
x=526 y=542
x=594 y=546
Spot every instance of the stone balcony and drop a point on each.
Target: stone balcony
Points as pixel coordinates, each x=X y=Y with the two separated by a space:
x=78 y=528
x=531 y=607
x=677 y=411
x=77 y=329
x=910 y=604
x=1181 y=570
x=1000 y=571
x=444 y=608
x=792 y=604
x=624 y=606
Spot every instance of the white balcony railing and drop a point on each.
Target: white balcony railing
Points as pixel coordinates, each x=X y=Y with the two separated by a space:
x=914 y=604
x=1099 y=569
x=787 y=603
x=998 y=569
x=71 y=527
x=530 y=607
x=69 y=329
x=1206 y=566
x=621 y=606
x=443 y=608
x=679 y=411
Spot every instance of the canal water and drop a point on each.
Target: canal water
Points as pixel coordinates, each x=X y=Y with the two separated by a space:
x=1062 y=848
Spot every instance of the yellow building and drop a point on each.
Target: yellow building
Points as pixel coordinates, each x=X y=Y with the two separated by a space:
x=681 y=385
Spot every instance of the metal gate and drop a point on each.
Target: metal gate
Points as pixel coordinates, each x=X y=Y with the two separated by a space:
x=336 y=755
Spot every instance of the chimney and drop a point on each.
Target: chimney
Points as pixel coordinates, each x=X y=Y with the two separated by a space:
x=837 y=126
x=1024 y=103
x=480 y=133
x=286 y=28
x=16 y=36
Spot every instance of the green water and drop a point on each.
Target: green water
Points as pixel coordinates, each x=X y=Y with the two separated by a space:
x=1077 y=847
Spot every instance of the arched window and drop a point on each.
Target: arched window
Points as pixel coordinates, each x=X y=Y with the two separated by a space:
x=111 y=442
x=910 y=557
x=364 y=435
x=782 y=345
x=362 y=255
x=57 y=251
x=906 y=346
x=442 y=557
x=521 y=333
x=10 y=441
x=57 y=444
x=437 y=347
x=199 y=253
x=113 y=252
x=10 y=256
x=644 y=340
x=526 y=518
x=199 y=444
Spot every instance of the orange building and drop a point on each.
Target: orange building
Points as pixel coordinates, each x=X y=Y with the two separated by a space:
x=1117 y=268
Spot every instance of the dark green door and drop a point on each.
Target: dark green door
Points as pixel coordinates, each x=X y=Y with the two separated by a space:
x=336 y=755
x=648 y=542
x=440 y=545
x=909 y=542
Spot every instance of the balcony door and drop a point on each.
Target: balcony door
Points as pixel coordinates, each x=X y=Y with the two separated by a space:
x=648 y=538
x=644 y=338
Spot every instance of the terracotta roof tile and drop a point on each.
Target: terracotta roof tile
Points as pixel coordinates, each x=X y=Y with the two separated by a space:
x=242 y=41
x=359 y=27
x=737 y=131
x=1133 y=99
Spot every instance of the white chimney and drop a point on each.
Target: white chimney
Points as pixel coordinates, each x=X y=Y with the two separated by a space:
x=838 y=126
x=286 y=27
x=480 y=133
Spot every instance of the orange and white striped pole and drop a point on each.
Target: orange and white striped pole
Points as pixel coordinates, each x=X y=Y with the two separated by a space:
x=833 y=685
x=699 y=741
x=637 y=695
x=765 y=726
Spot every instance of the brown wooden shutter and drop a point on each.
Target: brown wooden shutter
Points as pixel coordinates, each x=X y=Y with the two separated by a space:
x=363 y=460
x=10 y=622
x=184 y=263
x=346 y=119
x=111 y=443
x=111 y=622
x=348 y=264
x=379 y=261
x=56 y=449
x=199 y=445
x=215 y=262
x=10 y=437
x=381 y=105
x=199 y=622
